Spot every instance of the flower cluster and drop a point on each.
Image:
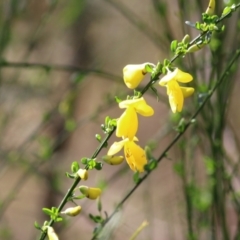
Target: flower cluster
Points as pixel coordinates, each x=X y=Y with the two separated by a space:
x=127 y=124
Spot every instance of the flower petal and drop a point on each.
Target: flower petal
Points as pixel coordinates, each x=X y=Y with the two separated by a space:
x=183 y=76
x=187 y=91
x=116 y=147
x=168 y=77
x=175 y=96
x=135 y=156
x=127 y=124
x=130 y=102
x=133 y=74
x=139 y=105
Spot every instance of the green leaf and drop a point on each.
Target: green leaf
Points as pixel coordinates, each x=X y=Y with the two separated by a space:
x=84 y=160
x=117 y=99
x=173 y=46
x=96 y=219
x=47 y=211
x=226 y=10
x=91 y=163
x=98 y=166
x=36 y=225
x=166 y=63
x=98 y=137
x=136 y=178
x=58 y=219
x=152 y=164
x=75 y=167
x=149 y=68
x=69 y=175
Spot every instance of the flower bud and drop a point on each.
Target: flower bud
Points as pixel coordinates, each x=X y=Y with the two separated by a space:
x=186 y=39
x=196 y=47
x=113 y=160
x=91 y=193
x=211 y=7
x=83 y=174
x=73 y=211
x=51 y=234
x=133 y=74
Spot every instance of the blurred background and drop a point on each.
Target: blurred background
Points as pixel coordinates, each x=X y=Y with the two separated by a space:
x=61 y=66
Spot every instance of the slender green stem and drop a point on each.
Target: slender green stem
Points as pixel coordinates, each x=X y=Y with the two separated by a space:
x=59 y=67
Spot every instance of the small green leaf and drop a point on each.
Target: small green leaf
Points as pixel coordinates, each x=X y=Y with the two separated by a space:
x=84 y=160
x=96 y=219
x=226 y=10
x=98 y=166
x=91 y=163
x=69 y=175
x=173 y=46
x=58 y=219
x=117 y=99
x=98 y=137
x=36 y=225
x=75 y=167
x=107 y=119
x=136 y=178
x=149 y=68
x=47 y=211
x=152 y=164
x=166 y=63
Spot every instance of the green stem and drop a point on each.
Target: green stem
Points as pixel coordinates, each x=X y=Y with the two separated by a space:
x=59 y=67
x=76 y=182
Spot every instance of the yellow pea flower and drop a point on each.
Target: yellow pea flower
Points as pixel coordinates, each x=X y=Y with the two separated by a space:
x=127 y=124
x=83 y=174
x=211 y=7
x=113 y=160
x=134 y=154
x=133 y=74
x=72 y=211
x=175 y=92
x=89 y=192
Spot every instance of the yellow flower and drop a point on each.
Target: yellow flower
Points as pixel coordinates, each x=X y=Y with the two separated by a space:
x=211 y=7
x=83 y=174
x=89 y=192
x=127 y=124
x=175 y=92
x=134 y=154
x=72 y=211
x=133 y=74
